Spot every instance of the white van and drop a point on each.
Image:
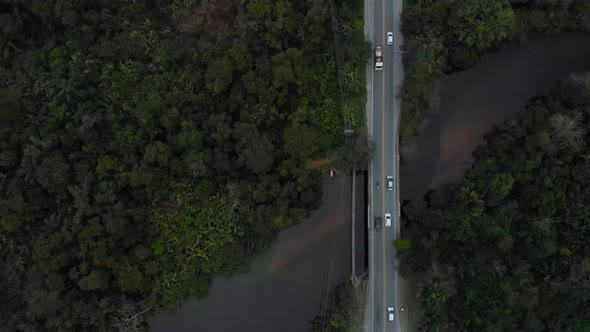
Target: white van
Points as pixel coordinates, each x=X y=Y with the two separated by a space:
x=391 y=314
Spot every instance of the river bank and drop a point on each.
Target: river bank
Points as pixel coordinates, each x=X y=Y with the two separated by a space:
x=470 y=104
x=283 y=291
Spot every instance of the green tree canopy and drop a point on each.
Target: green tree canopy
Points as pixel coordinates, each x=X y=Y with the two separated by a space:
x=147 y=146
x=507 y=242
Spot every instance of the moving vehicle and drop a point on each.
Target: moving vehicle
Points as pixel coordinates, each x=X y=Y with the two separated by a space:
x=378 y=58
x=390 y=183
x=377 y=185
x=390 y=314
x=377 y=224
x=389 y=38
x=388 y=220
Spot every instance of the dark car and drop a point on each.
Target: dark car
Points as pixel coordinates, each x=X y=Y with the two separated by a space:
x=377 y=224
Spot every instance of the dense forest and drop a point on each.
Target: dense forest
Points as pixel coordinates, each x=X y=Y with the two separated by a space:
x=507 y=249
x=149 y=145
x=448 y=36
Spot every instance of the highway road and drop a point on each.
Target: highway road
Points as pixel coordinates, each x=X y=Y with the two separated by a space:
x=385 y=286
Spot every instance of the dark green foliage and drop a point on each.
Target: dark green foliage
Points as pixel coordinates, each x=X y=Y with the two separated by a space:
x=402 y=244
x=341 y=306
x=475 y=26
x=191 y=235
x=506 y=247
x=147 y=146
x=448 y=36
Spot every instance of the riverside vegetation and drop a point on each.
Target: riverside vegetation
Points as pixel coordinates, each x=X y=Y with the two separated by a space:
x=341 y=307
x=507 y=249
x=449 y=36
x=150 y=145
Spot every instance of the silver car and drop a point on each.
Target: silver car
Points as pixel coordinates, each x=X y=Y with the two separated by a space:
x=390 y=183
x=389 y=38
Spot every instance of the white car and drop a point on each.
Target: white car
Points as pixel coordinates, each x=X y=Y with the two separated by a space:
x=378 y=58
x=390 y=183
x=389 y=38
x=388 y=220
x=390 y=314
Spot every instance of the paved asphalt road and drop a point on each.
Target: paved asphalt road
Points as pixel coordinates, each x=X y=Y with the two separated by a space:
x=385 y=288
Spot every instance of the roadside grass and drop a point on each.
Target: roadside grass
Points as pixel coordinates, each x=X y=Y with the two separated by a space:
x=412 y=283
x=359 y=104
x=358 y=316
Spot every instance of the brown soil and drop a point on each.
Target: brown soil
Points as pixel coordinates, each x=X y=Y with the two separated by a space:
x=317 y=163
x=321 y=162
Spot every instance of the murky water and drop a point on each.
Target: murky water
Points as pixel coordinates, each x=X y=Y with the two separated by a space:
x=285 y=287
x=475 y=100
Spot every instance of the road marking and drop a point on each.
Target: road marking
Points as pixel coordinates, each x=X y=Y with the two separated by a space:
x=373 y=173
x=383 y=201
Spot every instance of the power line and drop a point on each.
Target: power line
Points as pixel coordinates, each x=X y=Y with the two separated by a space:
x=347 y=115
x=335 y=240
x=342 y=81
